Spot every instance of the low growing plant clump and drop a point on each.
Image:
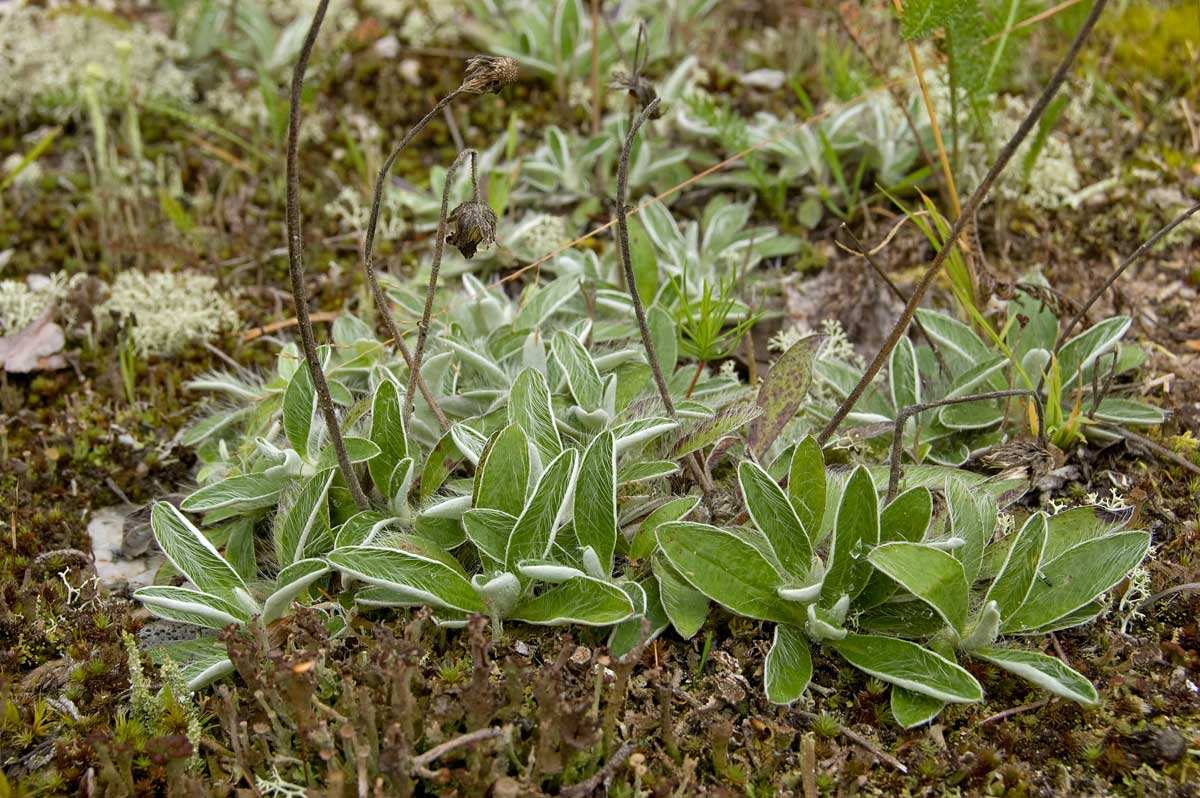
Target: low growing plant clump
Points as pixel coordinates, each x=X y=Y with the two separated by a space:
x=533 y=464
x=477 y=518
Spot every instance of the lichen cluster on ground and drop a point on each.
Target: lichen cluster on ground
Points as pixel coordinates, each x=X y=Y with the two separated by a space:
x=149 y=172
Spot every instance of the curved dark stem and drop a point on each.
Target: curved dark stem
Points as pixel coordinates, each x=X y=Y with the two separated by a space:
x=296 y=264
x=1132 y=259
x=964 y=220
x=1158 y=449
x=414 y=369
x=906 y=413
x=381 y=301
x=696 y=463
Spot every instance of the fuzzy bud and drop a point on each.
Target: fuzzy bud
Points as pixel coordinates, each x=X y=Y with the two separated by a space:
x=489 y=73
x=472 y=224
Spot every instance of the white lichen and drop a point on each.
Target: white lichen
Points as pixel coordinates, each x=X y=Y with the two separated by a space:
x=168 y=310
x=48 y=56
x=537 y=235
x=23 y=301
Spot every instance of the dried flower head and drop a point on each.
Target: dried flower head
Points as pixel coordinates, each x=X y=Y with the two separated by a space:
x=640 y=89
x=1023 y=459
x=473 y=224
x=489 y=73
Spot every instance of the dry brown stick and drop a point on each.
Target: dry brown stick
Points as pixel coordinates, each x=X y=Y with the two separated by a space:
x=1158 y=449
x=862 y=252
x=859 y=740
x=964 y=219
x=1117 y=272
x=589 y=786
x=1171 y=591
x=1008 y=713
x=296 y=264
x=283 y=324
x=420 y=764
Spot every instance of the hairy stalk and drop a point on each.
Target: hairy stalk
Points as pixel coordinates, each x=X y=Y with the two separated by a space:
x=696 y=463
x=627 y=260
x=1132 y=259
x=964 y=219
x=903 y=415
x=381 y=301
x=439 y=244
x=296 y=263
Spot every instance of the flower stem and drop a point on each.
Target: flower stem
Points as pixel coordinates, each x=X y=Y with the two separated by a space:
x=296 y=264
x=381 y=301
x=438 y=246
x=696 y=462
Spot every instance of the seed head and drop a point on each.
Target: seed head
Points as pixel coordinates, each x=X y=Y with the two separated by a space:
x=471 y=224
x=489 y=73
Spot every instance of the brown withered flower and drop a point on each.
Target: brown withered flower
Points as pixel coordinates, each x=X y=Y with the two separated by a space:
x=472 y=224
x=641 y=90
x=1022 y=459
x=489 y=74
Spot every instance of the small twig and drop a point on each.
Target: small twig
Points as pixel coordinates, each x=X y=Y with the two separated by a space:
x=904 y=414
x=862 y=252
x=603 y=774
x=1036 y=18
x=438 y=247
x=1158 y=449
x=116 y=489
x=276 y=326
x=963 y=220
x=859 y=740
x=1058 y=649
x=296 y=264
x=1171 y=591
x=1008 y=713
x=420 y=764
x=227 y=360
x=1132 y=259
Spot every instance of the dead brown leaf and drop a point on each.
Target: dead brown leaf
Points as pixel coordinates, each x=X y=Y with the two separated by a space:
x=35 y=347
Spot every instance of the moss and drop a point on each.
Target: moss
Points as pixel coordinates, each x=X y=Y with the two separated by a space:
x=1154 y=40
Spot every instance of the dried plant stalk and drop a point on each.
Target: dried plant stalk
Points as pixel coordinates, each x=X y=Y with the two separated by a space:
x=964 y=219
x=435 y=266
x=296 y=264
